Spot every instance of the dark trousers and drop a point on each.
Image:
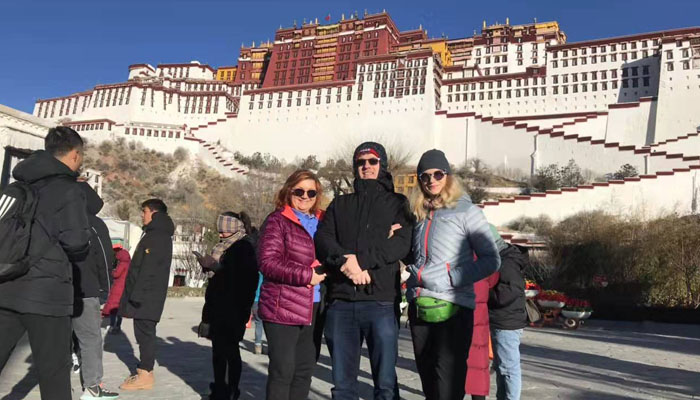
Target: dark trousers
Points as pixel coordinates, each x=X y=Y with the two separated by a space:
x=50 y=341
x=292 y=355
x=226 y=360
x=115 y=321
x=441 y=351
x=145 y=332
x=319 y=326
x=348 y=324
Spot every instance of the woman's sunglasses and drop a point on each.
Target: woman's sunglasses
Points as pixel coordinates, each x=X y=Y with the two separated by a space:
x=371 y=161
x=437 y=175
x=300 y=193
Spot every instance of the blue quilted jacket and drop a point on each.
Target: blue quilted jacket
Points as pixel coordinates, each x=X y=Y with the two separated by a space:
x=452 y=249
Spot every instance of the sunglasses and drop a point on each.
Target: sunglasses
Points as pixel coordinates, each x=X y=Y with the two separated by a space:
x=437 y=175
x=300 y=193
x=371 y=161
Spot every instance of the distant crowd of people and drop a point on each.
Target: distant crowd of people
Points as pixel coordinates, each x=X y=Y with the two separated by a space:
x=306 y=275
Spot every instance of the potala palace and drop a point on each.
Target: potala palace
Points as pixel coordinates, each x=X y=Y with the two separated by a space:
x=517 y=97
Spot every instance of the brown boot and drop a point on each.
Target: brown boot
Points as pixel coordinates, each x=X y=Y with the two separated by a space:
x=143 y=380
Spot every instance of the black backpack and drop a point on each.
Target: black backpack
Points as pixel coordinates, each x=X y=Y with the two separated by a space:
x=17 y=210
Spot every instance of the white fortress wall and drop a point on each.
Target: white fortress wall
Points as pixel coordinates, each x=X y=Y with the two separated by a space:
x=588 y=155
x=647 y=198
x=688 y=145
x=632 y=123
x=327 y=129
x=504 y=146
x=678 y=107
x=454 y=136
x=592 y=126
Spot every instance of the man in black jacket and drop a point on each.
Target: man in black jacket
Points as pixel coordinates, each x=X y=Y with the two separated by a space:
x=41 y=301
x=91 y=282
x=357 y=244
x=507 y=318
x=147 y=286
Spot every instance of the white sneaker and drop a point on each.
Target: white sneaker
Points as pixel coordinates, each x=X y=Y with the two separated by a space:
x=76 y=364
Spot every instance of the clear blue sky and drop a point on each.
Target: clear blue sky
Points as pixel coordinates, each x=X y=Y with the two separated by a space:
x=52 y=48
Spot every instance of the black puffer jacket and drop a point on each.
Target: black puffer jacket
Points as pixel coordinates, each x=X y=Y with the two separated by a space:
x=147 y=281
x=47 y=289
x=359 y=223
x=91 y=277
x=507 y=298
x=231 y=291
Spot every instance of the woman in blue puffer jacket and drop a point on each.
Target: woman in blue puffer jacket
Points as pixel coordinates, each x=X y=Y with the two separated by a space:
x=449 y=233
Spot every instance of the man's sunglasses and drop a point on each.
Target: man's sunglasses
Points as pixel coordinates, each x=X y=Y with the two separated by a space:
x=437 y=175
x=300 y=193
x=371 y=161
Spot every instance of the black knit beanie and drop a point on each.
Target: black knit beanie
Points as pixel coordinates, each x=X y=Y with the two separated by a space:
x=433 y=159
x=375 y=149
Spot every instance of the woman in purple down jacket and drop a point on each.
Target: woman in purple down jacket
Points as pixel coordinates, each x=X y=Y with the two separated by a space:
x=290 y=293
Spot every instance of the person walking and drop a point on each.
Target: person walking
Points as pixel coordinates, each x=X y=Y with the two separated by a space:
x=360 y=241
x=228 y=300
x=92 y=284
x=508 y=317
x=38 y=297
x=146 y=288
x=259 y=330
x=119 y=272
x=289 y=295
x=452 y=249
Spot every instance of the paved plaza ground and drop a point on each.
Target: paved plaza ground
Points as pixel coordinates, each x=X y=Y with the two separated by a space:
x=603 y=360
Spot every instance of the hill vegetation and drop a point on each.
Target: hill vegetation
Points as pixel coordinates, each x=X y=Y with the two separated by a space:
x=192 y=190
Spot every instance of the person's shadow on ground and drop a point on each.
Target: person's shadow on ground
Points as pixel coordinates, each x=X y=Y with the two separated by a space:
x=120 y=345
x=22 y=388
x=189 y=361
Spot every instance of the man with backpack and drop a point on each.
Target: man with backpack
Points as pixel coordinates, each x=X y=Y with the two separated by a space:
x=43 y=230
x=508 y=317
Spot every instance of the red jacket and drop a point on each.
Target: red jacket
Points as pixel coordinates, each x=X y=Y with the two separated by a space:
x=478 y=380
x=286 y=255
x=119 y=275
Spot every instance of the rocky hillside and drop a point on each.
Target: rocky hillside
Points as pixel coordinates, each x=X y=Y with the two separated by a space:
x=193 y=191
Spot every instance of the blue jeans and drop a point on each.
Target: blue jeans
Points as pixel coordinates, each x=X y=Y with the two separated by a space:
x=506 y=360
x=258 y=325
x=347 y=325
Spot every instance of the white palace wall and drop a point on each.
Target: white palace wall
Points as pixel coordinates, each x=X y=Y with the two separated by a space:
x=328 y=129
x=678 y=111
x=632 y=123
x=646 y=198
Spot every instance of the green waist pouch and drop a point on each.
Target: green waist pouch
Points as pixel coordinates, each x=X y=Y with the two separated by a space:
x=430 y=309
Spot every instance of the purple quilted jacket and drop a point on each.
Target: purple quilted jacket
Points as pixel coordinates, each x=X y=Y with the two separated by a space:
x=286 y=255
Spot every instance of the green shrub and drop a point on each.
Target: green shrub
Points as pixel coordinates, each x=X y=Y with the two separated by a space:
x=653 y=262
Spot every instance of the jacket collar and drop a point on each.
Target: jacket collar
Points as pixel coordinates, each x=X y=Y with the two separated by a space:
x=384 y=182
x=288 y=213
